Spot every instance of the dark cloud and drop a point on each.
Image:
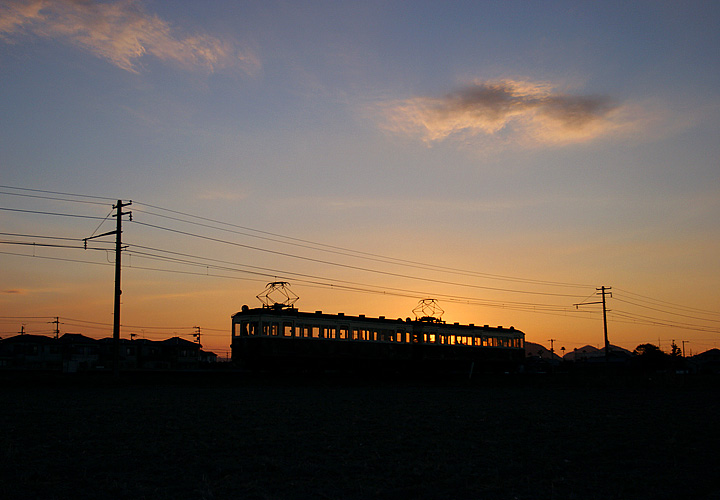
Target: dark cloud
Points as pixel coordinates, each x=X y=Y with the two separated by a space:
x=524 y=111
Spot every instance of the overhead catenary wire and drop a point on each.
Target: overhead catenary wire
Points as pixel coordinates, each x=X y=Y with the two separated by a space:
x=348 y=266
x=53 y=198
x=302 y=243
x=630 y=298
x=670 y=305
x=324 y=280
x=57 y=214
x=58 y=193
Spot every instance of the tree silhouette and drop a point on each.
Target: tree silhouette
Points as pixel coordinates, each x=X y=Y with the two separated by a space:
x=650 y=357
x=675 y=350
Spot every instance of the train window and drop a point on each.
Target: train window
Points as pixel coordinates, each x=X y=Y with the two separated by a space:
x=330 y=332
x=270 y=328
x=288 y=329
x=252 y=327
x=315 y=332
x=343 y=333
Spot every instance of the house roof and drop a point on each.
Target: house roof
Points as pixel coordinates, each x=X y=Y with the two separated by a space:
x=180 y=342
x=77 y=338
x=27 y=338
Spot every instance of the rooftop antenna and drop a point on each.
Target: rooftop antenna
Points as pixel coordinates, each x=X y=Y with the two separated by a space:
x=428 y=310
x=277 y=295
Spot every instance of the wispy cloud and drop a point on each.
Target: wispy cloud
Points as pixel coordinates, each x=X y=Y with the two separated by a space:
x=514 y=111
x=121 y=32
x=13 y=292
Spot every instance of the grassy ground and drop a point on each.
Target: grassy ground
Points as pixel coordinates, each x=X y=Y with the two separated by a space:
x=218 y=437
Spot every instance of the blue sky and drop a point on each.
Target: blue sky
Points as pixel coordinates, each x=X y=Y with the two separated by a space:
x=571 y=142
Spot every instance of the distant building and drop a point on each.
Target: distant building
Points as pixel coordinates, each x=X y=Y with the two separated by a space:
x=74 y=352
x=35 y=352
x=706 y=362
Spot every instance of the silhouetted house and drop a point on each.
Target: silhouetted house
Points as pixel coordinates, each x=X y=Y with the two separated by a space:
x=207 y=357
x=74 y=352
x=180 y=353
x=79 y=353
x=30 y=352
x=705 y=362
x=590 y=354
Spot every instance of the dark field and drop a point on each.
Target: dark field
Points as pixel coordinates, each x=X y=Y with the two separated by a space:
x=222 y=437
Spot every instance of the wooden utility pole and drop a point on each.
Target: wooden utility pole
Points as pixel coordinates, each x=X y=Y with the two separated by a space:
x=118 y=268
x=57 y=326
x=603 y=291
x=552 y=348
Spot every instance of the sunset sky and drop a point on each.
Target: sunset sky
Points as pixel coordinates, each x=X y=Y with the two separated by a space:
x=506 y=158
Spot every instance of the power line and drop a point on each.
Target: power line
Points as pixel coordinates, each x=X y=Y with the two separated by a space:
x=639 y=301
x=330 y=281
x=61 y=259
x=649 y=320
x=666 y=303
x=54 y=198
x=665 y=311
x=352 y=253
x=38 y=212
x=19 y=235
x=58 y=193
x=347 y=266
x=47 y=245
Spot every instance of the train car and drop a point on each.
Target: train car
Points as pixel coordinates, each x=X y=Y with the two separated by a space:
x=280 y=337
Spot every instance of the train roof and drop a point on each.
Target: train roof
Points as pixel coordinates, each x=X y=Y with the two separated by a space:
x=295 y=313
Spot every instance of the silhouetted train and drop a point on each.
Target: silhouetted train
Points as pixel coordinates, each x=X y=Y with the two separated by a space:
x=279 y=337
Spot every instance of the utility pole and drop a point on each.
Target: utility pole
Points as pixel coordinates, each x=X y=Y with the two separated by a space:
x=683 y=346
x=118 y=291
x=197 y=334
x=57 y=326
x=552 y=348
x=603 y=290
